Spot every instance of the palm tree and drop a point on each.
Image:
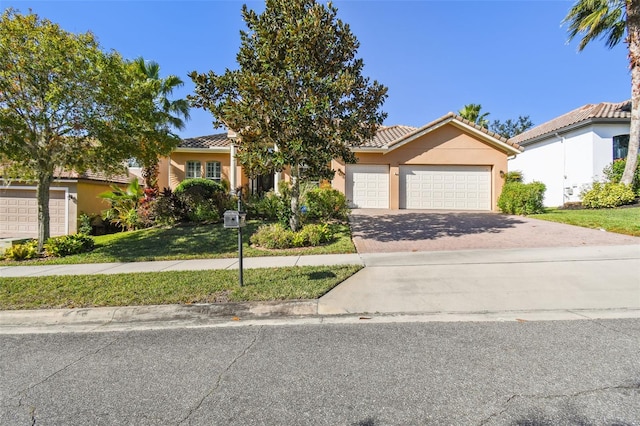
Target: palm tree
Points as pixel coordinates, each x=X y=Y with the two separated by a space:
x=611 y=20
x=471 y=112
x=170 y=114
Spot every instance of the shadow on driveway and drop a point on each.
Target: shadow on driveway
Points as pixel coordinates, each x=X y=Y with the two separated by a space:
x=428 y=226
x=385 y=231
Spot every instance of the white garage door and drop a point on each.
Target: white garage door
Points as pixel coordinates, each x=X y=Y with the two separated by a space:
x=368 y=186
x=445 y=187
x=19 y=213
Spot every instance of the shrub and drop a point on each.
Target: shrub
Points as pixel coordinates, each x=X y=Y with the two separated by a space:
x=270 y=206
x=277 y=236
x=614 y=171
x=24 y=251
x=84 y=224
x=67 y=245
x=168 y=209
x=607 y=195
x=273 y=236
x=514 y=176
x=326 y=203
x=520 y=198
x=203 y=200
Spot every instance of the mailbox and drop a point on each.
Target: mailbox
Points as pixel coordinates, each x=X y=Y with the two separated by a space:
x=234 y=219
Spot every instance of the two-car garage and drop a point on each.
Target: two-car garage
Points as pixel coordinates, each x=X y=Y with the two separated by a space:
x=19 y=212
x=434 y=187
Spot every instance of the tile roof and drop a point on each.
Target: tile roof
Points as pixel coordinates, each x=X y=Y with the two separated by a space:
x=603 y=111
x=100 y=177
x=387 y=135
x=210 y=141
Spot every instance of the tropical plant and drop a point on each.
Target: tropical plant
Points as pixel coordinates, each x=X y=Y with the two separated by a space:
x=607 y=195
x=613 y=21
x=298 y=98
x=124 y=205
x=168 y=115
x=472 y=113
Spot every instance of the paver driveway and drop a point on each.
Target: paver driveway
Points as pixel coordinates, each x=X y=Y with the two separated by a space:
x=382 y=231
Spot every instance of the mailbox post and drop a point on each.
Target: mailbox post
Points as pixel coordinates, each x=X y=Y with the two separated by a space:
x=237 y=219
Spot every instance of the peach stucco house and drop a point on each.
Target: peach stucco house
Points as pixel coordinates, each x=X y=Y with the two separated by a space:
x=71 y=195
x=447 y=164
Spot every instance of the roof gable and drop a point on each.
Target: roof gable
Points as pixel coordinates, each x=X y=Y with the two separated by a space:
x=219 y=140
x=409 y=134
x=602 y=112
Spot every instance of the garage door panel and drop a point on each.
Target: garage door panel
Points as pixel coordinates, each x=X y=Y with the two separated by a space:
x=445 y=187
x=367 y=186
x=19 y=212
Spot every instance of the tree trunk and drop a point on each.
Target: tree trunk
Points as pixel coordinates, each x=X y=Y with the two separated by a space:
x=42 y=193
x=633 y=41
x=294 y=221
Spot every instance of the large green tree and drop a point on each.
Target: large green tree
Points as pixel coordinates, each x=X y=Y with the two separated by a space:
x=472 y=112
x=613 y=21
x=298 y=98
x=65 y=104
x=168 y=114
x=509 y=128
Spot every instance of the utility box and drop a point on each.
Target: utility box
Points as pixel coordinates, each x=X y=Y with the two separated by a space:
x=234 y=219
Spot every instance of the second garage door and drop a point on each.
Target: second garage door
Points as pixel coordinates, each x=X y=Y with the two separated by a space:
x=368 y=186
x=445 y=187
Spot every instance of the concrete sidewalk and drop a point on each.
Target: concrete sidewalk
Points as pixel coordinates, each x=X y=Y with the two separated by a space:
x=472 y=285
x=179 y=265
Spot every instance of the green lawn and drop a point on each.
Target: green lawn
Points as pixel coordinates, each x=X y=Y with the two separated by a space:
x=621 y=220
x=189 y=242
x=158 y=288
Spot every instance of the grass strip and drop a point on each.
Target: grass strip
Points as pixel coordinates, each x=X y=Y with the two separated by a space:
x=621 y=220
x=176 y=287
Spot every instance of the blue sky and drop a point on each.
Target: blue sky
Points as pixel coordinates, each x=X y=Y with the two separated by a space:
x=511 y=56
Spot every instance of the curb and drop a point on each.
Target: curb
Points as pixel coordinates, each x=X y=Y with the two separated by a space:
x=156 y=313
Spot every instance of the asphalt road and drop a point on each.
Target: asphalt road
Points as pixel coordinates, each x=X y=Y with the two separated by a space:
x=462 y=373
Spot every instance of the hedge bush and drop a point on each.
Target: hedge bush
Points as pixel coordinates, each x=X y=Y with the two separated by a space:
x=326 y=203
x=522 y=199
x=67 y=245
x=194 y=200
x=607 y=195
x=276 y=236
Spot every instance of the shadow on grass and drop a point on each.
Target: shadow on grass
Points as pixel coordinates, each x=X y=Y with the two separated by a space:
x=428 y=225
x=186 y=240
x=321 y=275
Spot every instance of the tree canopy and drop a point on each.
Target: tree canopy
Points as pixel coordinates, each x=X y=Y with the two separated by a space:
x=298 y=97
x=65 y=104
x=509 y=128
x=613 y=21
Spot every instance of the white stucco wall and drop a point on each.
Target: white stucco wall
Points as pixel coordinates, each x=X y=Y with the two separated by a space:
x=568 y=162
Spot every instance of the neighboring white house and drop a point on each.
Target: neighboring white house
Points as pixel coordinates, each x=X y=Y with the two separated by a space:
x=569 y=152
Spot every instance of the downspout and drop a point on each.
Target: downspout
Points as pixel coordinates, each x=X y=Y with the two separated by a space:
x=564 y=169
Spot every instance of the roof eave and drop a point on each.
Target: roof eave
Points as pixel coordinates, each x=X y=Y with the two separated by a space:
x=571 y=127
x=212 y=149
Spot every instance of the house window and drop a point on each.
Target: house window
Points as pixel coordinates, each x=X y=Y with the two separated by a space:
x=213 y=170
x=193 y=169
x=620 y=146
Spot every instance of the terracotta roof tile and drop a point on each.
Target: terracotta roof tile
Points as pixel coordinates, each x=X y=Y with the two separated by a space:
x=386 y=135
x=601 y=111
x=210 y=141
x=100 y=177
